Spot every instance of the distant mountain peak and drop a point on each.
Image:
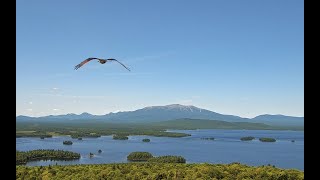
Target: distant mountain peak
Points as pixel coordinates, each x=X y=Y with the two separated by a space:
x=177 y=107
x=174 y=111
x=85 y=113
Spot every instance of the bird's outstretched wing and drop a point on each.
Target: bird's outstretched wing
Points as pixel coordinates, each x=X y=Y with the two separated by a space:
x=119 y=63
x=83 y=62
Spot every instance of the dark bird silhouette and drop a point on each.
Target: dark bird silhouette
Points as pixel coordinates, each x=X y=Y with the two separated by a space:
x=102 y=61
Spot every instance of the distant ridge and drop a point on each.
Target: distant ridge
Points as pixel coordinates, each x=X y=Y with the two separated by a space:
x=170 y=112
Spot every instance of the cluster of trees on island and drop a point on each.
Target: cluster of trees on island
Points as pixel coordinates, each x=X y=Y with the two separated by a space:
x=247 y=138
x=145 y=140
x=146 y=156
x=267 y=139
x=264 y=139
x=150 y=171
x=22 y=157
x=67 y=142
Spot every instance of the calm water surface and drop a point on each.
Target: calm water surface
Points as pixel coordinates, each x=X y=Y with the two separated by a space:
x=226 y=148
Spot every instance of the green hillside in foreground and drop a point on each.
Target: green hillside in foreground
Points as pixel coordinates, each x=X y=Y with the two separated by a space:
x=157 y=171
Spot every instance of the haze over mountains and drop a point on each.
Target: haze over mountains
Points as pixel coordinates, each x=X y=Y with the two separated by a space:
x=172 y=112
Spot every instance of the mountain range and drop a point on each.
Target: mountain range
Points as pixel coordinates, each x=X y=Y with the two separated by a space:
x=171 y=112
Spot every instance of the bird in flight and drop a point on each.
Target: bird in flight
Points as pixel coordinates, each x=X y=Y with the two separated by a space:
x=102 y=61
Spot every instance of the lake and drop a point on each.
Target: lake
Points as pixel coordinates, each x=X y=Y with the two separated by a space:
x=225 y=148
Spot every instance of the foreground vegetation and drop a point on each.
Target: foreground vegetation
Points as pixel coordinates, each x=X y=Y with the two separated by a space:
x=22 y=157
x=150 y=171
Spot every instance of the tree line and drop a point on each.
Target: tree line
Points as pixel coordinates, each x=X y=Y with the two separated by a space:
x=22 y=157
x=151 y=171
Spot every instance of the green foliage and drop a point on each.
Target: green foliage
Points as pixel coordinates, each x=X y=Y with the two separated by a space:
x=247 y=138
x=158 y=171
x=145 y=140
x=267 y=139
x=168 y=159
x=67 y=142
x=120 y=137
x=139 y=156
x=93 y=129
x=23 y=157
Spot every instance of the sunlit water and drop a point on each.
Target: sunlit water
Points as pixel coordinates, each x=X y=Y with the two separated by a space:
x=226 y=148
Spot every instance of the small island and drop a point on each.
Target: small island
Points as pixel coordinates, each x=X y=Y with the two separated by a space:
x=22 y=157
x=139 y=156
x=208 y=138
x=292 y=140
x=79 y=138
x=99 y=151
x=167 y=159
x=120 y=137
x=91 y=155
x=267 y=139
x=145 y=140
x=247 y=138
x=67 y=142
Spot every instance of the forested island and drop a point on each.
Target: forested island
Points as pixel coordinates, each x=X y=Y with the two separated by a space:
x=247 y=138
x=139 y=156
x=145 y=140
x=167 y=159
x=267 y=139
x=157 y=171
x=146 y=156
x=67 y=142
x=22 y=157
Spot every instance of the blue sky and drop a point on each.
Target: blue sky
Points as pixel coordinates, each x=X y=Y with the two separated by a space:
x=235 y=57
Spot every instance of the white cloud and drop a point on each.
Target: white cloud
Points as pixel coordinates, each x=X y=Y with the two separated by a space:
x=30 y=102
x=56 y=109
x=29 y=109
